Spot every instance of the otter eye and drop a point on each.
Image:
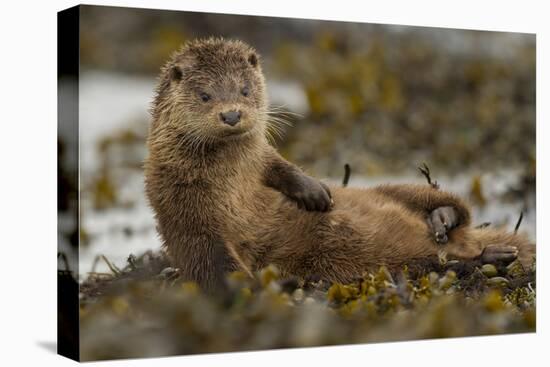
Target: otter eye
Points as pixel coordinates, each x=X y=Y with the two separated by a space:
x=205 y=97
x=245 y=91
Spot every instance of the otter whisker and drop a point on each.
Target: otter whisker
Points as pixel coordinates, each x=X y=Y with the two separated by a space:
x=278 y=122
x=281 y=109
x=270 y=136
x=274 y=129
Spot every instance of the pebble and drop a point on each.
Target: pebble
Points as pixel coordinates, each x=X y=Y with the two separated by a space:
x=298 y=295
x=498 y=281
x=489 y=270
x=166 y=272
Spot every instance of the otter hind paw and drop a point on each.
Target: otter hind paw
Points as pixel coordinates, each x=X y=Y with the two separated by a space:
x=442 y=220
x=498 y=253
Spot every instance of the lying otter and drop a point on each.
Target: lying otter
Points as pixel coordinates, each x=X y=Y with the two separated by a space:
x=224 y=199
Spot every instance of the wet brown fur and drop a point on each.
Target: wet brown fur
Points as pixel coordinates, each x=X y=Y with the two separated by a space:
x=220 y=201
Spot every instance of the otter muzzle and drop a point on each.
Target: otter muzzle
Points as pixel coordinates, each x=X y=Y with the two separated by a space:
x=230 y=118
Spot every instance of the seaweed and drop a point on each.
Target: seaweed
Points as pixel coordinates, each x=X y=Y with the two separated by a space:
x=146 y=309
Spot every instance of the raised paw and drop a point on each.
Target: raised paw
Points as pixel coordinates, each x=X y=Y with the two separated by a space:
x=441 y=221
x=498 y=253
x=312 y=195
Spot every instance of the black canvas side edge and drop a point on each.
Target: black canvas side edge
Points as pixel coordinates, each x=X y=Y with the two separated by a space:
x=68 y=34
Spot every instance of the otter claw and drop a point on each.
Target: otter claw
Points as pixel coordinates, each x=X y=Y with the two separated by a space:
x=312 y=195
x=441 y=221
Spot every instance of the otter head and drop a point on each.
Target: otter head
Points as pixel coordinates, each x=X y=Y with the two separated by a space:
x=212 y=92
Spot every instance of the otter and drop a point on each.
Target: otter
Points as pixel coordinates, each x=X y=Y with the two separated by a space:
x=225 y=200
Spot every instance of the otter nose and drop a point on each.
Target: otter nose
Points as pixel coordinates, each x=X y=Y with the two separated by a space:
x=231 y=117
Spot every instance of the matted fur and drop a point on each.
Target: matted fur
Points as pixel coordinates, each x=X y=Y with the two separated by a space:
x=220 y=206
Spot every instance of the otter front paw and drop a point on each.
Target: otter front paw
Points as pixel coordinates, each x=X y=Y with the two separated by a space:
x=441 y=221
x=311 y=195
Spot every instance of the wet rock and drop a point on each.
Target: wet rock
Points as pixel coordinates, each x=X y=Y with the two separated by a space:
x=298 y=295
x=489 y=270
x=498 y=282
x=168 y=272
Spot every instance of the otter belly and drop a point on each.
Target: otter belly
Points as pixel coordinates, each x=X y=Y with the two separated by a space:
x=362 y=231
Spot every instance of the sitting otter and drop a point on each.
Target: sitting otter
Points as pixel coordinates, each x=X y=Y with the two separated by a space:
x=224 y=199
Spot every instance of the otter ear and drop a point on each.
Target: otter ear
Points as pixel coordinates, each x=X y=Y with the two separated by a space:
x=253 y=59
x=175 y=73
